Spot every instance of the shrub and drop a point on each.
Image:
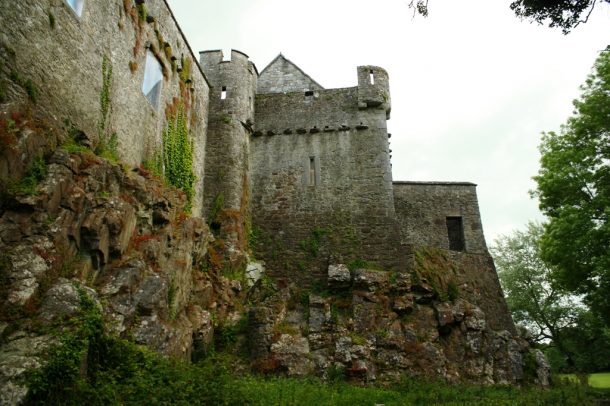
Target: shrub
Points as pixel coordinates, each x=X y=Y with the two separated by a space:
x=34 y=175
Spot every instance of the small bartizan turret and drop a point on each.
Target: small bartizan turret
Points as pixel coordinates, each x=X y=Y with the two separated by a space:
x=374 y=88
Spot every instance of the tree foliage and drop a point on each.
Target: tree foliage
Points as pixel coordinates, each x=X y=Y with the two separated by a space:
x=573 y=338
x=574 y=192
x=564 y=14
x=531 y=295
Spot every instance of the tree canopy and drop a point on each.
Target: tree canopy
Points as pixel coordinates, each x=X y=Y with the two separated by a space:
x=572 y=337
x=535 y=302
x=564 y=14
x=574 y=191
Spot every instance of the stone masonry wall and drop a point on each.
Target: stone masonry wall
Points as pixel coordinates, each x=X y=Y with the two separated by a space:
x=227 y=184
x=422 y=209
x=62 y=54
x=283 y=76
x=322 y=182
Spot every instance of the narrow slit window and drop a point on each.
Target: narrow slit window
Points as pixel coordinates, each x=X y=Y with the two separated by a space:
x=312 y=171
x=153 y=78
x=371 y=77
x=223 y=93
x=76 y=6
x=455 y=233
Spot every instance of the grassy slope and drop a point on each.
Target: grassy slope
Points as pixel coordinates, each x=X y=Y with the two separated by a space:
x=600 y=380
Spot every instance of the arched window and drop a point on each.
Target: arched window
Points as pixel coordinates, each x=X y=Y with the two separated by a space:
x=153 y=78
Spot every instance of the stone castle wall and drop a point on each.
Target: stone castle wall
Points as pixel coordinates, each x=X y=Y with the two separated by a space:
x=320 y=165
x=282 y=76
x=227 y=184
x=422 y=209
x=62 y=54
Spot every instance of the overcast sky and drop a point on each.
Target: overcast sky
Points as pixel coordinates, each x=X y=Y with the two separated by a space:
x=472 y=86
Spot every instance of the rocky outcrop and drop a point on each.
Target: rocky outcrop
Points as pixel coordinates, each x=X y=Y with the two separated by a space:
x=382 y=325
x=121 y=237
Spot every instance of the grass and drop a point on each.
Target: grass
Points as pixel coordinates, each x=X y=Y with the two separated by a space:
x=29 y=183
x=282 y=391
x=90 y=366
x=599 y=380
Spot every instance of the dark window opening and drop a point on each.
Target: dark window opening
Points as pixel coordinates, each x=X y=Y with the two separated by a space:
x=455 y=232
x=223 y=93
x=312 y=171
x=308 y=93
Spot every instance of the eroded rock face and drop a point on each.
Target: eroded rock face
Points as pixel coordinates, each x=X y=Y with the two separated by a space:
x=19 y=354
x=119 y=238
x=375 y=330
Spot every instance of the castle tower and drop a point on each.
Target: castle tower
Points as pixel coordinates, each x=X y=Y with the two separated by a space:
x=226 y=184
x=374 y=89
x=322 y=181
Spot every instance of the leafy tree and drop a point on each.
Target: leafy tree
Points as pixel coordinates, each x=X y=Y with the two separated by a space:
x=564 y=14
x=574 y=192
x=588 y=341
x=533 y=299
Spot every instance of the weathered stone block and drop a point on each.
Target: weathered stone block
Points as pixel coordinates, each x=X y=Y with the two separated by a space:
x=371 y=280
x=339 y=276
x=254 y=271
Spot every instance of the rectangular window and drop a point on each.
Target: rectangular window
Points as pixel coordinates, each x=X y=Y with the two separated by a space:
x=153 y=78
x=371 y=77
x=312 y=171
x=455 y=233
x=76 y=6
x=223 y=93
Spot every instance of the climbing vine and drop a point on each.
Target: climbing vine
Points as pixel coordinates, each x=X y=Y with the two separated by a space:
x=178 y=152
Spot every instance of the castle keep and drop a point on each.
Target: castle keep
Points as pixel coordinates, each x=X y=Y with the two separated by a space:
x=376 y=275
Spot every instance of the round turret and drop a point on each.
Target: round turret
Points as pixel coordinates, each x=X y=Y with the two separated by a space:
x=374 y=88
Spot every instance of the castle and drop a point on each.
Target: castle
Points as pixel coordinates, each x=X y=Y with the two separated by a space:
x=279 y=168
x=273 y=149
x=318 y=158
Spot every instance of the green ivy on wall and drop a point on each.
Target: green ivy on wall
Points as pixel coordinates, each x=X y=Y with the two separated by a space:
x=178 y=154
